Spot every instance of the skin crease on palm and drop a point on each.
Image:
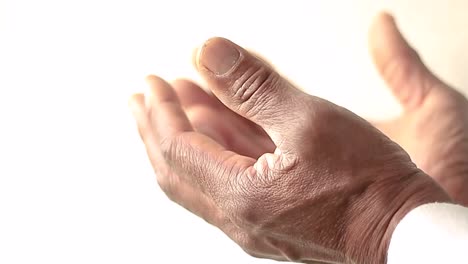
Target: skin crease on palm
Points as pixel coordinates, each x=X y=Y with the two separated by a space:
x=270 y=166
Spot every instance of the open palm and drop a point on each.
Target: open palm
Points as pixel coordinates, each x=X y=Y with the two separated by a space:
x=434 y=126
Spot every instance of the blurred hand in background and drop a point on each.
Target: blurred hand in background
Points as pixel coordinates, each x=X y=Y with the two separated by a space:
x=433 y=128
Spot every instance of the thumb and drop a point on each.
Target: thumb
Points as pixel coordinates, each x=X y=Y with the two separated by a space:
x=399 y=64
x=250 y=87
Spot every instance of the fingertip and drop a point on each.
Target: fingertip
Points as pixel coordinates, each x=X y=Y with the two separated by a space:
x=384 y=33
x=385 y=17
x=218 y=56
x=136 y=103
x=380 y=26
x=196 y=53
x=153 y=81
x=136 y=98
x=185 y=88
x=151 y=78
x=181 y=82
x=159 y=91
x=157 y=82
x=386 y=42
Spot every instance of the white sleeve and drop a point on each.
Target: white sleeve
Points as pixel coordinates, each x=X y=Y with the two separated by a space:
x=431 y=233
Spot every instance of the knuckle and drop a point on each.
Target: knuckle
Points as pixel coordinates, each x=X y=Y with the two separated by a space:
x=247 y=243
x=249 y=212
x=249 y=200
x=168 y=148
x=254 y=85
x=256 y=200
x=322 y=116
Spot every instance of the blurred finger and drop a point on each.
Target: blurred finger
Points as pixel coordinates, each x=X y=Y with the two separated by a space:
x=139 y=111
x=399 y=64
x=167 y=115
x=210 y=117
x=190 y=95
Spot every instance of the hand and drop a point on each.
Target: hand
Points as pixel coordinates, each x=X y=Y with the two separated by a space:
x=327 y=188
x=434 y=125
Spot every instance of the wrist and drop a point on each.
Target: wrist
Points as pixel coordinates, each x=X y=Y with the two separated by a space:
x=382 y=207
x=424 y=190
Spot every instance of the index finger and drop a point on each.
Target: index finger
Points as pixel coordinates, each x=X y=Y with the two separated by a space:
x=166 y=113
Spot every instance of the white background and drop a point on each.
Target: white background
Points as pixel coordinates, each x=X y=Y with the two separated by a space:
x=75 y=183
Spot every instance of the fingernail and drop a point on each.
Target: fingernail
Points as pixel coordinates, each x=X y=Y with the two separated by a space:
x=218 y=56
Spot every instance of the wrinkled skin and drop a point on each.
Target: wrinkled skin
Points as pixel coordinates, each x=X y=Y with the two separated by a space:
x=286 y=175
x=434 y=126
